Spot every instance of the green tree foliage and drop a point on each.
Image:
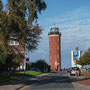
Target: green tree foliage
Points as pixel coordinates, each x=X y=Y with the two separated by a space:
x=11 y=61
x=81 y=61
x=19 y=19
x=41 y=64
x=1 y=5
x=85 y=59
x=19 y=22
x=30 y=65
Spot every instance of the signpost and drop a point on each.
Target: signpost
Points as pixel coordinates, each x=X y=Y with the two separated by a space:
x=75 y=55
x=75 y=58
x=27 y=59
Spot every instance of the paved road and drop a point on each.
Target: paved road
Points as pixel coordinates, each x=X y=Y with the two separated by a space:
x=55 y=81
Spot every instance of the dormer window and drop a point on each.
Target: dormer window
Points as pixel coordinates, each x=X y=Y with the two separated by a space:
x=14 y=42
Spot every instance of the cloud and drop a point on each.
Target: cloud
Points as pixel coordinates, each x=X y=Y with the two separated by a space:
x=78 y=13
x=75 y=29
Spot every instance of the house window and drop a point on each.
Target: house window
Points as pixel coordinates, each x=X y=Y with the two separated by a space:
x=14 y=42
x=11 y=42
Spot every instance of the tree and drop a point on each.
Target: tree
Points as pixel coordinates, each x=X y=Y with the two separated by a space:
x=85 y=59
x=20 y=19
x=81 y=61
x=87 y=54
x=1 y=5
x=41 y=64
x=31 y=65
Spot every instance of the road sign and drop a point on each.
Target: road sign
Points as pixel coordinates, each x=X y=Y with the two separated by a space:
x=75 y=64
x=27 y=59
x=75 y=55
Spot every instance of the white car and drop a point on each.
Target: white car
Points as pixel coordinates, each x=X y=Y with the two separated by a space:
x=75 y=71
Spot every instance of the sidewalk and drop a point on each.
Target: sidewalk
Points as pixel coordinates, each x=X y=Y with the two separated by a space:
x=85 y=81
x=15 y=85
x=82 y=83
x=78 y=86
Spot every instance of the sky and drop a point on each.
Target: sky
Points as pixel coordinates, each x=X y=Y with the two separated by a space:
x=73 y=19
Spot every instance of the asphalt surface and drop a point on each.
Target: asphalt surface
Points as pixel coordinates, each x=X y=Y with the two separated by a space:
x=55 y=81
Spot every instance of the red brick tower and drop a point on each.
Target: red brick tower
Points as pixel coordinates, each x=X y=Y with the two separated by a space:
x=55 y=48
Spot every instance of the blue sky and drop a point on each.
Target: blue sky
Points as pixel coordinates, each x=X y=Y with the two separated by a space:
x=73 y=19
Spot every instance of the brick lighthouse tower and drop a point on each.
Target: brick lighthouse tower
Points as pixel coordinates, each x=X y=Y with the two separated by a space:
x=55 y=48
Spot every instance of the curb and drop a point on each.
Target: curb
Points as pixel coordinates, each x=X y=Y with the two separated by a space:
x=21 y=87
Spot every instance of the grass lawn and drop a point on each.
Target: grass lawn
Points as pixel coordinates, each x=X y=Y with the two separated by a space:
x=27 y=73
x=14 y=76
x=86 y=72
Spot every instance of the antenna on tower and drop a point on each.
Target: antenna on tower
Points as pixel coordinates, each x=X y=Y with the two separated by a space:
x=77 y=48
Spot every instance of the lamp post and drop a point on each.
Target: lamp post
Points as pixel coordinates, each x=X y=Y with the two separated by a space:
x=24 y=65
x=25 y=60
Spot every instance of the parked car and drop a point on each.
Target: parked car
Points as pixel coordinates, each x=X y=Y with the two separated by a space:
x=68 y=70
x=36 y=69
x=75 y=70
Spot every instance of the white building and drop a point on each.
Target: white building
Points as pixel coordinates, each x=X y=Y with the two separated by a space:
x=75 y=55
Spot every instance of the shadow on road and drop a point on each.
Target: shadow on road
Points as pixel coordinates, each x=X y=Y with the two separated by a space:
x=44 y=80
